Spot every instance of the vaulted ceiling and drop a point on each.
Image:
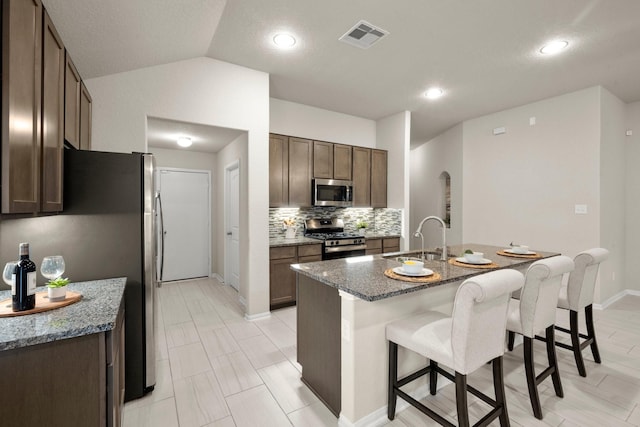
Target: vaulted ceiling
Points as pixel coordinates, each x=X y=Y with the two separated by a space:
x=484 y=53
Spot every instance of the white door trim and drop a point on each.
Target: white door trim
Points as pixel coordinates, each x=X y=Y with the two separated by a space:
x=227 y=258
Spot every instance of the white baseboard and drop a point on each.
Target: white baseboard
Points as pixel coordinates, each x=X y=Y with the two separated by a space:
x=217 y=277
x=615 y=298
x=379 y=418
x=252 y=317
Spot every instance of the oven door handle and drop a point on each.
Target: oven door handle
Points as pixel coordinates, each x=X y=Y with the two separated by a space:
x=344 y=248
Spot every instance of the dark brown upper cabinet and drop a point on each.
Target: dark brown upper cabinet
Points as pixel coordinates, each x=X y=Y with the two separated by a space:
x=71 y=103
x=342 y=162
x=21 y=105
x=53 y=62
x=378 y=179
x=361 y=177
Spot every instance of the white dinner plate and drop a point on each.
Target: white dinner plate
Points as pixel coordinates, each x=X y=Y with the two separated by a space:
x=425 y=272
x=511 y=251
x=483 y=261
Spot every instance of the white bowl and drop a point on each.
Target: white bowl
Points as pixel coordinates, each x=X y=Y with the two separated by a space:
x=520 y=249
x=412 y=266
x=474 y=257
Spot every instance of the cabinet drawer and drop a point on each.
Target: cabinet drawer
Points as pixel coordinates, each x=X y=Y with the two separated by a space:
x=310 y=258
x=282 y=252
x=376 y=251
x=390 y=243
x=308 y=250
x=374 y=244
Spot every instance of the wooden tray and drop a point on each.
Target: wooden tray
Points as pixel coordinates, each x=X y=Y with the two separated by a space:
x=530 y=256
x=453 y=261
x=421 y=279
x=42 y=304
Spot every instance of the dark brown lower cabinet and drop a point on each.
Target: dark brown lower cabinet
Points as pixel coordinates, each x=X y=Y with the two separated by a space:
x=384 y=245
x=282 y=280
x=65 y=383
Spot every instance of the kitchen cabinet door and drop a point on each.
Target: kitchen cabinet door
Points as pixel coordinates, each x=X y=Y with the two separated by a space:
x=361 y=177
x=374 y=246
x=378 y=178
x=322 y=160
x=21 y=105
x=53 y=63
x=300 y=171
x=282 y=280
x=342 y=162
x=278 y=171
x=391 y=244
x=71 y=103
x=85 y=118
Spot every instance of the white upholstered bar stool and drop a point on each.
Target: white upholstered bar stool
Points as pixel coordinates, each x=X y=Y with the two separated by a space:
x=471 y=337
x=577 y=295
x=535 y=312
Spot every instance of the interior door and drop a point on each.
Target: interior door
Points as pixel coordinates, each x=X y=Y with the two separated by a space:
x=232 y=212
x=186 y=223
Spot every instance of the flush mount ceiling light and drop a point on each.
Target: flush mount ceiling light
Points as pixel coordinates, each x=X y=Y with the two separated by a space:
x=184 y=141
x=284 y=40
x=554 y=47
x=433 y=93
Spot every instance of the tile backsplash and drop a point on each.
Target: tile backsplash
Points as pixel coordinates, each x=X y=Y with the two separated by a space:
x=380 y=220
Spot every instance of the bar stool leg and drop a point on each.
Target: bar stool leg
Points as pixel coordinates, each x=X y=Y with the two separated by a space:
x=498 y=386
x=393 y=378
x=553 y=361
x=588 y=312
x=433 y=377
x=575 y=342
x=512 y=337
x=461 y=400
x=531 y=378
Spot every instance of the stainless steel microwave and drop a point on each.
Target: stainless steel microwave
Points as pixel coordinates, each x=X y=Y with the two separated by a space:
x=332 y=192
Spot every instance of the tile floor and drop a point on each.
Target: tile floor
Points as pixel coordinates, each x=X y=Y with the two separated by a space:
x=216 y=369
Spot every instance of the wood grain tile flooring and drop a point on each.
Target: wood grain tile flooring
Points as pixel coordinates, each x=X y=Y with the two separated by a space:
x=216 y=369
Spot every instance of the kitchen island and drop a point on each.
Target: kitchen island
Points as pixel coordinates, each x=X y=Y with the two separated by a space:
x=343 y=308
x=65 y=367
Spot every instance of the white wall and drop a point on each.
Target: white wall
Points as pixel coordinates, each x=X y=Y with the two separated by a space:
x=632 y=193
x=612 y=194
x=204 y=91
x=292 y=119
x=522 y=186
x=393 y=134
x=194 y=160
x=237 y=150
x=428 y=161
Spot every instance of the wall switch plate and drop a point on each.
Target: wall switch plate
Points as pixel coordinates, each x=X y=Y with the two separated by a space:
x=629 y=132
x=581 y=209
x=532 y=121
x=499 y=131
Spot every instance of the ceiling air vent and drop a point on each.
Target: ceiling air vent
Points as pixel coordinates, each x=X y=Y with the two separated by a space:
x=363 y=35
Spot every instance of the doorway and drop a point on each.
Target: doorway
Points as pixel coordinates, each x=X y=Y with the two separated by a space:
x=185 y=229
x=232 y=225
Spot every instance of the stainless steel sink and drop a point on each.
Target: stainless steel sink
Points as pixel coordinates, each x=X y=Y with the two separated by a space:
x=429 y=255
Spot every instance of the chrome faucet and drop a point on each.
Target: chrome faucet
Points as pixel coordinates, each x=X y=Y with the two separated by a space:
x=418 y=233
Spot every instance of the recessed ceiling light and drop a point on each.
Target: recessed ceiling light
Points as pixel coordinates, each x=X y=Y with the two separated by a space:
x=554 y=47
x=434 y=93
x=284 y=40
x=184 y=141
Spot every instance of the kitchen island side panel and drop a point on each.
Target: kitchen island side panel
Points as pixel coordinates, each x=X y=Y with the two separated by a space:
x=318 y=333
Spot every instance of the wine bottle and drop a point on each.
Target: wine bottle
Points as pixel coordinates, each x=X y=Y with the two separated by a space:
x=24 y=277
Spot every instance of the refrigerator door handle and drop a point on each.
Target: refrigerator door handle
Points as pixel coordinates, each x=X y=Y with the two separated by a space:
x=162 y=234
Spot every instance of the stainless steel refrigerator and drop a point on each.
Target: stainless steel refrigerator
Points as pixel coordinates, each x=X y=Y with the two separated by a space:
x=110 y=204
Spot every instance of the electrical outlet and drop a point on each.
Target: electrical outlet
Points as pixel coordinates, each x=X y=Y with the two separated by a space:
x=581 y=209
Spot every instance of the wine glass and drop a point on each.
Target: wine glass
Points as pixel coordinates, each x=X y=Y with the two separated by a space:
x=52 y=267
x=7 y=274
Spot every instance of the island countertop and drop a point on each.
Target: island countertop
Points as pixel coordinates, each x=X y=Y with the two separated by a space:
x=95 y=312
x=364 y=277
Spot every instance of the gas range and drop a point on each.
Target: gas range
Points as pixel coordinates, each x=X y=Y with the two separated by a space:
x=336 y=242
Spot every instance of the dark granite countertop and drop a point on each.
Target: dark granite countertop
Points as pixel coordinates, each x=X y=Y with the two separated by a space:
x=364 y=276
x=275 y=242
x=95 y=312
